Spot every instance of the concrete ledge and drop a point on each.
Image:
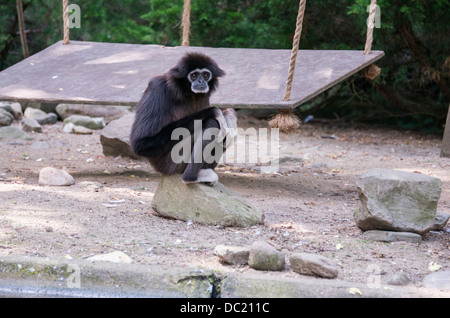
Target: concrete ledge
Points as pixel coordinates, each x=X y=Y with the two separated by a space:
x=42 y=277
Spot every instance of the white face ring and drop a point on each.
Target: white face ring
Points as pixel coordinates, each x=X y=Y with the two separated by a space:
x=192 y=77
x=199 y=79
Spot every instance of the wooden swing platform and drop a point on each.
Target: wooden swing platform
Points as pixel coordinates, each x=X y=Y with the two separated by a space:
x=117 y=74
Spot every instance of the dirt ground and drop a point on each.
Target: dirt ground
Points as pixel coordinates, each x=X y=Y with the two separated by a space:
x=308 y=205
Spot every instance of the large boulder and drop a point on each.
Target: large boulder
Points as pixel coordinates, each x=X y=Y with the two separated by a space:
x=115 y=137
x=397 y=201
x=201 y=203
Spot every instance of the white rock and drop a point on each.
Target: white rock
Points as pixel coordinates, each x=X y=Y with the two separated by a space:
x=55 y=177
x=113 y=257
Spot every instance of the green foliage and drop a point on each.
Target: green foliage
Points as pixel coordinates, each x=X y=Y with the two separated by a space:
x=413 y=89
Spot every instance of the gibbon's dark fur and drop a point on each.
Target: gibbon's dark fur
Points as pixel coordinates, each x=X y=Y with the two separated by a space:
x=169 y=103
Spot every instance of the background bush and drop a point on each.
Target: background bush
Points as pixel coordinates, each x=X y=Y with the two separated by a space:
x=412 y=92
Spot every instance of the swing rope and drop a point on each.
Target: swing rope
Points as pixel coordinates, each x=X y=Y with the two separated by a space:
x=285 y=120
x=66 y=21
x=186 y=22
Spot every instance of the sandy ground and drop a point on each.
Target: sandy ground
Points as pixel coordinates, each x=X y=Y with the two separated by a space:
x=308 y=205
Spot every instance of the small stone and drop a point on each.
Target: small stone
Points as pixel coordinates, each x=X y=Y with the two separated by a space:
x=313 y=265
x=113 y=257
x=108 y=112
x=89 y=186
x=86 y=121
x=55 y=177
x=48 y=229
x=12 y=107
x=80 y=130
x=389 y=236
x=440 y=221
x=31 y=125
x=40 y=116
x=398 y=279
x=6 y=118
x=68 y=128
x=233 y=255
x=265 y=257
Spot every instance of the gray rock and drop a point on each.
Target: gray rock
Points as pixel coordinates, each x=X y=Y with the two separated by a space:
x=55 y=177
x=12 y=107
x=233 y=255
x=439 y=280
x=109 y=113
x=31 y=125
x=11 y=132
x=40 y=116
x=6 y=118
x=115 y=137
x=216 y=205
x=86 y=121
x=45 y=107
x=389 y=236
x=397 y=200
x=440 y=221
x=398 y=279
x=68 y=128
x=265 y=257
x=313 y=265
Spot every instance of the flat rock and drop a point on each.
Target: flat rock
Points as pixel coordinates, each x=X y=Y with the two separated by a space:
x=233 y=255
x=439 y=280
x=80 y=130
x=10 y=132
x=107 y=112
x=40 y=116
x=390 y=236
x=31 y=125
x=216 y=205
x=55 y=177
x=115 y=137
x=397 y=201
x=313 y=265
x=113 y=257
x=86 y=121
x=265 y=257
